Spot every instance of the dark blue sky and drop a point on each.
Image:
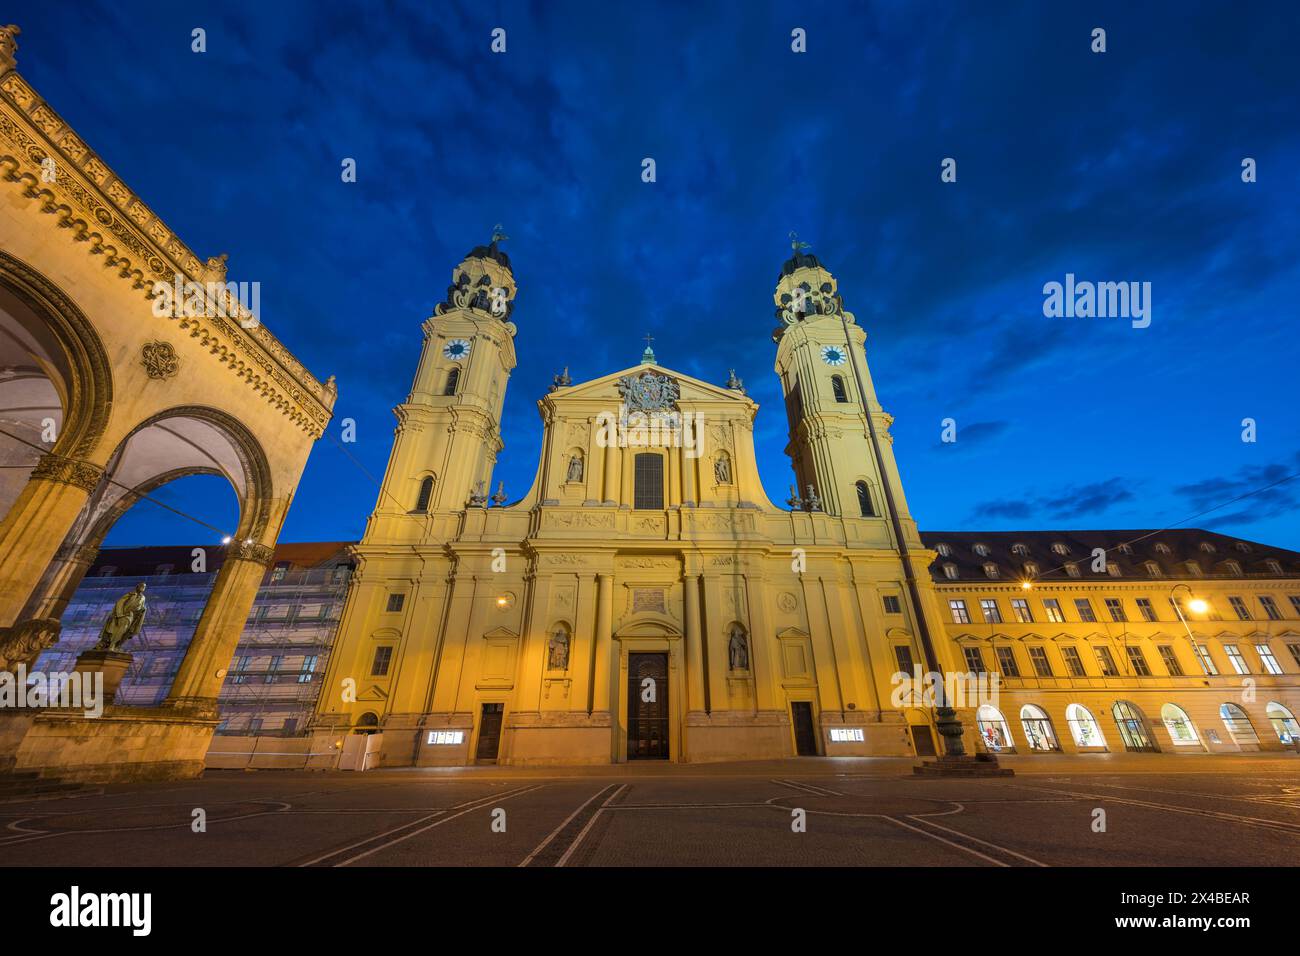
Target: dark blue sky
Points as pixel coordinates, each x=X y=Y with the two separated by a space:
x=1120 y=166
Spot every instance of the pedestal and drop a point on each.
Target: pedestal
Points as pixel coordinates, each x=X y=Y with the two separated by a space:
x=112 y=664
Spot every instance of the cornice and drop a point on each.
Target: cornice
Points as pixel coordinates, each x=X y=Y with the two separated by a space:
x=88 y=197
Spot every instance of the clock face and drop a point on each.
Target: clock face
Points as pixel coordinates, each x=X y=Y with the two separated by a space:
x=833 y=355
x=456 y=349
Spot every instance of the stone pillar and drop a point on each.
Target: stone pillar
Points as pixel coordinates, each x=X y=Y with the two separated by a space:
x=198 y=682
x=688 y=478
x=601 y=695
x=37 y=524
x=674 y=477
x=611 y=475
x=694 y=645
x=61 y=580
x=762 y=644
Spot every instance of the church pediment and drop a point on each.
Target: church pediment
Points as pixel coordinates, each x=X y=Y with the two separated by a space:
x=680 y=388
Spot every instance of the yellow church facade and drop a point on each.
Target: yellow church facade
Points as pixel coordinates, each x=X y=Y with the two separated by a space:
x=645 y=599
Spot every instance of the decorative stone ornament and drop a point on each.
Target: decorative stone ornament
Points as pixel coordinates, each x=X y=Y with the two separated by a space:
x=159 y=360
x=648 y=392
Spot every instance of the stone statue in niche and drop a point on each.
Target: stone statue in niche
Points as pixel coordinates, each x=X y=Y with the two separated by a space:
x=575 y=469
x=722 y=470
x=738 y=650
x=557 y=656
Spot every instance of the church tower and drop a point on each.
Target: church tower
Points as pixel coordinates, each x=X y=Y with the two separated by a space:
x=821 y=361
x=448 y=433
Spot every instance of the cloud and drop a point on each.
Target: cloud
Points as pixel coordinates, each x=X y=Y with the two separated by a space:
x=1074 y=501
x=1255 y=493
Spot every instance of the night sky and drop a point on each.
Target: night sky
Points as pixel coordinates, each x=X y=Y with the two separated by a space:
x=1122 y=166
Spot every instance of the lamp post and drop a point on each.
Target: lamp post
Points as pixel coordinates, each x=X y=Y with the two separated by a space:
x=1199 y=606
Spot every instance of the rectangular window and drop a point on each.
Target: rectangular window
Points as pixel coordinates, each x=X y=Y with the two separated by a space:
x=1020 y=608
x=959 y=613
x=1239 y=606
x=383 y=655
x=395 y=601
x=1115 y=608
x=1073 y=662
x=1138 y=661
x=255 y=725
x=238 y=675
x=1207 y=662
x=308 y=669
x=1270 y=608
x=903 y=657
x=1147 y=611
x=1107 y=662
x=1053 y=609
x=1084 y=607
x=1234 y=657
x=648 y=479
x=1170 y=660
x=1295 y=604
x=974 y=660
x=272 y=668
x=892 y=604
x=989 y=608
x=1007 y=661
x=1295 y=652
x=1038 y=657
x=1266 y=658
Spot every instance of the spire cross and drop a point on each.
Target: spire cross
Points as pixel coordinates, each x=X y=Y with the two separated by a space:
x=648 y=339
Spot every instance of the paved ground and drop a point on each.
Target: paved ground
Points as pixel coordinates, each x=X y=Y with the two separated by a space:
x=1159 y=810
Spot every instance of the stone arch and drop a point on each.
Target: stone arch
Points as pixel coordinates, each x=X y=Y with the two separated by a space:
x=51 y=346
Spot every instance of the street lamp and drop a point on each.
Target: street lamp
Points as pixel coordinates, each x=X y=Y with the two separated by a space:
x=1198 y=606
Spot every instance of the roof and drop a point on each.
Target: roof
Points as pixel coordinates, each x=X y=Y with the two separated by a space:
x=146 y=561
x=1169 y=549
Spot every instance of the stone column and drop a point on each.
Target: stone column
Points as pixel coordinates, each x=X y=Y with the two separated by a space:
x=611 y=475
x=694 y=645
x=37 y=524
x=604 y=637
x=198 y=682
x=688 y=478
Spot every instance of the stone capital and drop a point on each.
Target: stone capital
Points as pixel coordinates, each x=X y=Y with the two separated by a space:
x=68 y=471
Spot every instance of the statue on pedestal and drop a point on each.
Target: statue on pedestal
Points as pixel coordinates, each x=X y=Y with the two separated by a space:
x=124 y=621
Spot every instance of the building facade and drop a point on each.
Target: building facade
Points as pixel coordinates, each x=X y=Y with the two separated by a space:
x=645 y=599
x=273 y=682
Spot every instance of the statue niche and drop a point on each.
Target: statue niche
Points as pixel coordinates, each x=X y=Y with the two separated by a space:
x=738 y=649
x=557 y=650
x=574 y=473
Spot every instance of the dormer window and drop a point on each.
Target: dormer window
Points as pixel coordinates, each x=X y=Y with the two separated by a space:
x=1113 y=569
x=1233 y=568
x=1193 y=568
x=982 y=550
x=1072 y=570
x=1125 y=549
x=1031 y=569
x=1207 y=547
x=1153 y=569
x=991 y=569
x=1243 y=547
x=1020 y=549
x=943 y=549
x=1274 y=566
x=1162 y=548
x=1059 y=547
x=950 y=571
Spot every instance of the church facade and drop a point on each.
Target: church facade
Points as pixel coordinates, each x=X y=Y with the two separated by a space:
x=645 y=599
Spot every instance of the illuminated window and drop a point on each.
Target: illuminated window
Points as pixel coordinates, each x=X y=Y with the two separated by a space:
x=1072 y=570
x=1207 y=662
x=1052 y=607
x=1031 y=569
x=1038 y=728
x=1233 y=568
x=1038 y=657
x=1170 y=660
x=1271 y=666
x=1153 y=569
x=1020 y=608
x=1060 y=548
x=1020 y=549
x=991 y=570
x=993 y=729
x=1193 y=568
x=959 y=612
x=1284 y=723
x=989 y=608
x=982 y=550
x=1179 y=725
x=1162 y=549
x=1083 y=727
x=649 y=481
x=943 y=549
x=1239 y=726
x=950 y=571
x=1234 y=657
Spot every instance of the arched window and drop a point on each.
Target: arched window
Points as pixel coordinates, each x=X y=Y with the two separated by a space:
x=426 y=493
x=864 y=500
x=1284 y=723
x=1240 y=729
x=648 y=483
x=1179 y=725
x=837 y=386
x=1083 y=727
x=993 y=729
x=1132 y=727
x=1038 y=728
x=453 y=379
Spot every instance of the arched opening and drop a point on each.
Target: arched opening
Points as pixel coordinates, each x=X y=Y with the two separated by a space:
x=1132 y=724
x=1084 y=728
x=837 y=388
x=1240 y=729
x=1179 y=725
x=993 y=729
x=453 y=380
x=426 y=494
x=1284 y=723
x=1038 y=728
x=722 y=468
x=367 y=723
x=866 y=506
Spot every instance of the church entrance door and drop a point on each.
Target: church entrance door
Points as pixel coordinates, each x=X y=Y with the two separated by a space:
x=805 y=735
x=489 y=731
x=647 y=707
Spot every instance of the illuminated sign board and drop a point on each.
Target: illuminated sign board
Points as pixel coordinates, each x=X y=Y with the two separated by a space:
x=446 y=737
x=843 y=735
